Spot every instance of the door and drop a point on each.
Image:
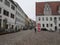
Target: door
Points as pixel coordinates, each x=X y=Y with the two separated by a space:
x=55 y=28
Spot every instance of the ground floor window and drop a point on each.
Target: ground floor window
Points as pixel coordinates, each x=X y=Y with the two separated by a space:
x=46 y=25
x=6 y=13
x=59 y=18
x=12 y=26
x=6 y=26
x=51 y=25
x=43 y=25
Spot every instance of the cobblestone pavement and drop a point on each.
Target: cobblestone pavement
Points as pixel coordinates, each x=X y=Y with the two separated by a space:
x=29 y=37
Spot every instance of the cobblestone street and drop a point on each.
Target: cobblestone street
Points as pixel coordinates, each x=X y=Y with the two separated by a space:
x=29 y=37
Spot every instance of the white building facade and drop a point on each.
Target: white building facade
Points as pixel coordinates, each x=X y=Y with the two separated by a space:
x=20 y=17
x=7 y=10
x=11 y=16
x=48 y=16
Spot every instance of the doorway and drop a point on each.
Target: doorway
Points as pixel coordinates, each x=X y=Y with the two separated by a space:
x=55 y=28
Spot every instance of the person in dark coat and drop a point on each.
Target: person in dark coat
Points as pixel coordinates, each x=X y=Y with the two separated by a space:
x=35 y=29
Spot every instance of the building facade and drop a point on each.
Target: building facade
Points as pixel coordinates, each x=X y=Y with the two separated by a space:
x=12 y=17
x=7 y=14
x=20 y=17
x=48 y=15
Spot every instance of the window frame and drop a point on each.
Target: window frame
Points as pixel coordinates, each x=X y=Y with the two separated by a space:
x=43 y=25
x=51 y=25
x=6 y=2
x=47 y=25
x=59 y=25
x=42 y=18
x=46 y=18
x=12 y=7
x=5 y=12
x=12 y=16
x=59 y=18
x=50 y=18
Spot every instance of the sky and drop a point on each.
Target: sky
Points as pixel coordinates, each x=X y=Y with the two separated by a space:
x=28 y=7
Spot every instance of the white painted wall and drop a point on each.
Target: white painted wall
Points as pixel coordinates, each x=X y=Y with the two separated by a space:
x=10 y=20
x=48 y=22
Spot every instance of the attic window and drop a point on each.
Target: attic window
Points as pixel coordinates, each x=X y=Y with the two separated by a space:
x=58 y=9
x=47 y=9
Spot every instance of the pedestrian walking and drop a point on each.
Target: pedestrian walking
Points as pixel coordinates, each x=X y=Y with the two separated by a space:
x=35 y=30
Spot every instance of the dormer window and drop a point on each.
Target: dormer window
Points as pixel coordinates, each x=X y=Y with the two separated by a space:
x=59 y=9
x=47 y=9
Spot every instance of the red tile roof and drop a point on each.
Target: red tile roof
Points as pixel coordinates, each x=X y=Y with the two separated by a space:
x=53 y=5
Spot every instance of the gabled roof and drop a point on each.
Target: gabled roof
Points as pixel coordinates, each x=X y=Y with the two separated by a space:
x=40 y=7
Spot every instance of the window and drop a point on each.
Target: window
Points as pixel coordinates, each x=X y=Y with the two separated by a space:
x=0 y=10
x=59 y=25
x=7 y=3
x=1 y=0
x=51 y=25
x=47 y=9
x=46 y=25
x=12 y=15
x=43 y=18
x=47 y=18
x=59 y=18
x=12 y=26
x=50 y=18
x=39 y=18
x=6 y=26
x=43 y=25
x=12 y=7
x=55 y=18
x=6 y=13
x=58 y=9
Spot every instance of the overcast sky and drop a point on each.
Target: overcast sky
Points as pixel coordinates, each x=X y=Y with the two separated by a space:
x=28 y=6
